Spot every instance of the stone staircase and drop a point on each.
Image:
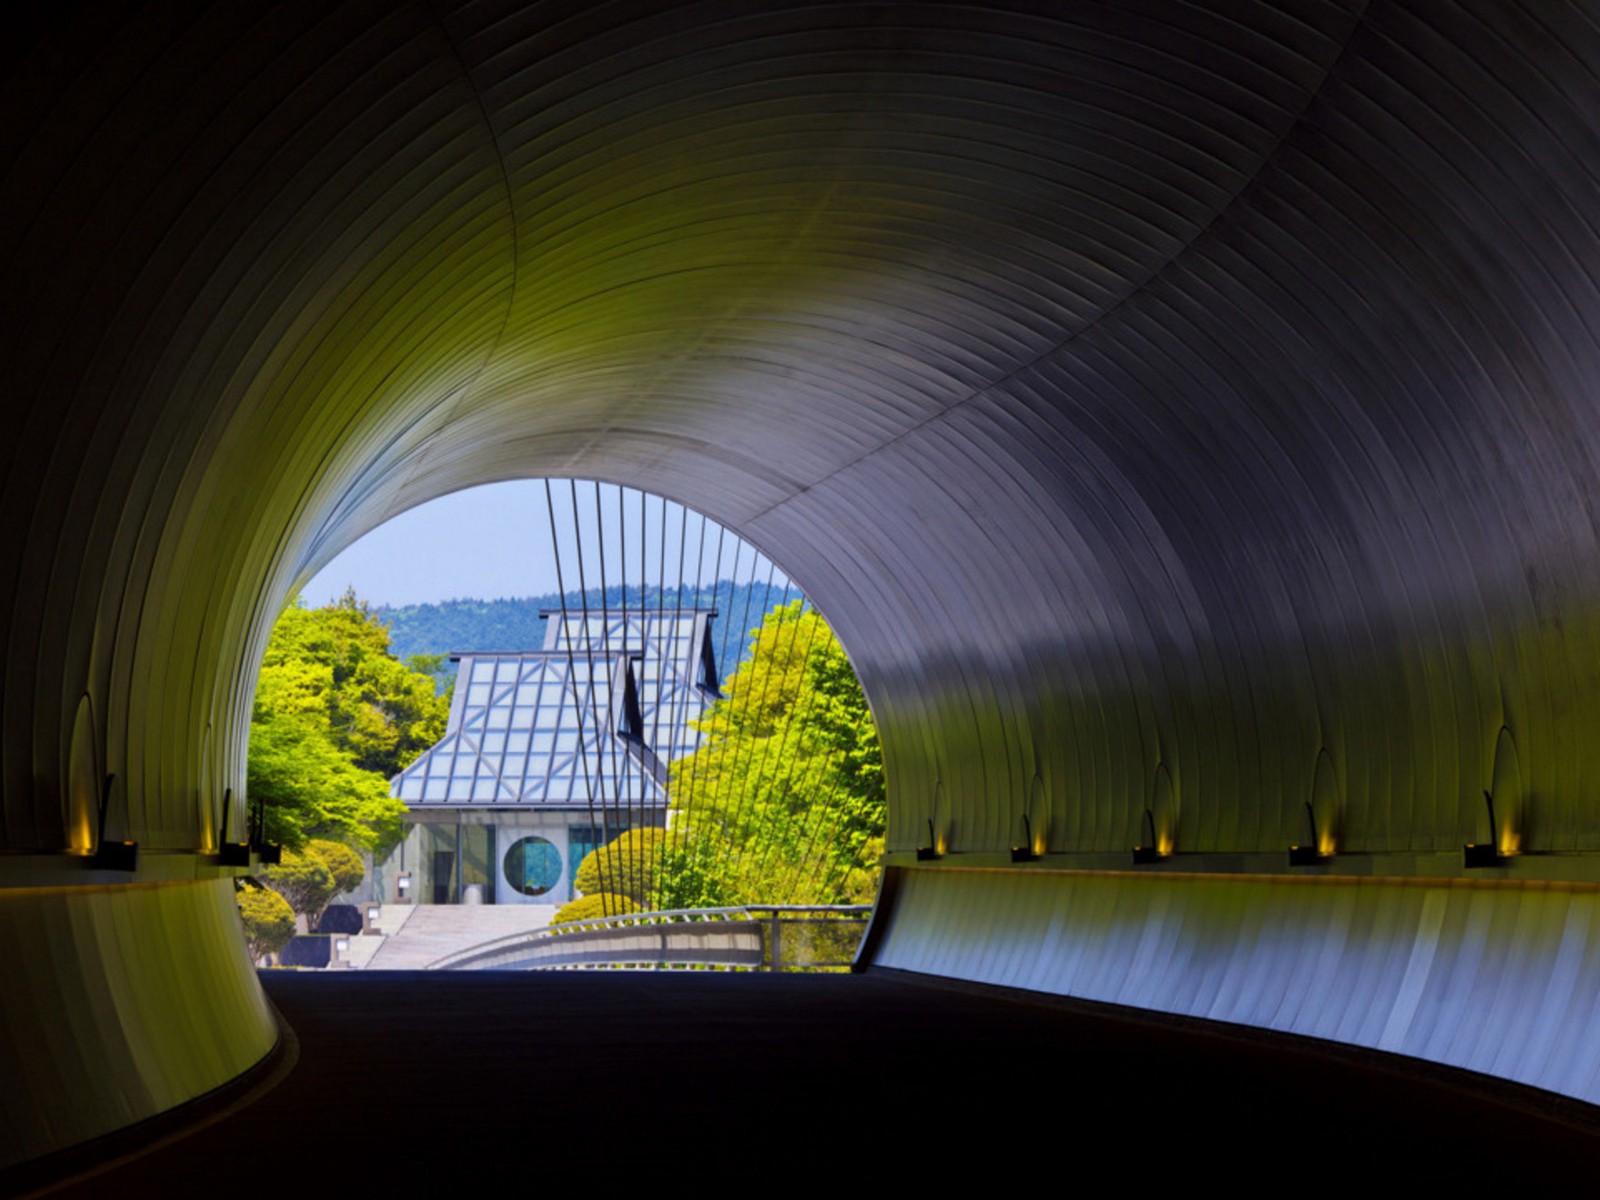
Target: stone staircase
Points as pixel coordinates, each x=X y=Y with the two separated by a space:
x=417 y=935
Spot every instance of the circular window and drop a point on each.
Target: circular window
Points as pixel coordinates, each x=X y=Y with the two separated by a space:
x=533 y=866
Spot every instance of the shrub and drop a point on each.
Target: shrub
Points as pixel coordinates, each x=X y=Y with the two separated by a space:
x=268 y=921
x=626 y=866
x=596 y=904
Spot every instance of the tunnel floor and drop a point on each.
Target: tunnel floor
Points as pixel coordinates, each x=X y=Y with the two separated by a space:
x=442 y=1083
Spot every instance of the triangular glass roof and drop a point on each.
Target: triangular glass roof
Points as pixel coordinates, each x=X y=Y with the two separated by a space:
x=592 y=717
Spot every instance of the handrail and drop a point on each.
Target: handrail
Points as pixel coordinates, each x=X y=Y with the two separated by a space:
x=764 y=914
x=672 y=914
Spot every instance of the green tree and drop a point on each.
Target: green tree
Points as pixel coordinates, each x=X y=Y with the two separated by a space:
x=437 y=668
x=268 y=921
x=343 y=863
x=784 y=799
x=310 y=786
x=309 y=880
x=692 y=872
x=304 y=881
x=335 y=716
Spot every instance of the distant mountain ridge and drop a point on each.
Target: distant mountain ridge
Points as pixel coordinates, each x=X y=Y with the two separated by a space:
x=453 y=626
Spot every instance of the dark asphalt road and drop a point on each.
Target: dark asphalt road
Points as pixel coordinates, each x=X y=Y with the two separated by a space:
x=424 y=1084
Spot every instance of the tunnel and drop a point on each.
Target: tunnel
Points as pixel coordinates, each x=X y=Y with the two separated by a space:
x=1185 y=413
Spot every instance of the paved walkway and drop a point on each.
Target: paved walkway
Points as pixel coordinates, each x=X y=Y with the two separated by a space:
x=464 y=1084
x=431 y=931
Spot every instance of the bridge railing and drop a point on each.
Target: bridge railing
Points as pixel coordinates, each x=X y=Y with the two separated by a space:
x=769 y=937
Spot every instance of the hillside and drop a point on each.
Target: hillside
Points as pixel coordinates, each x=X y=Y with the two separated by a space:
x=514 y=624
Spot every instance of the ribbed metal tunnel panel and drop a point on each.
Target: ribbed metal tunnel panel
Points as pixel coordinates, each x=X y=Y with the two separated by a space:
x=1182 y=407
x=1495 y=978
x=119 y=1003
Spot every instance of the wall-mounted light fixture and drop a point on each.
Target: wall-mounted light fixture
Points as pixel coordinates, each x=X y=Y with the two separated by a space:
x=1152 y=851
x=233 y=854
x=230 y=854
x=269 y=854
x=112 y=856
x=116 y=856
x=1488 y=854
x=1316 y=854
x=1025 y=852
x=932 y=852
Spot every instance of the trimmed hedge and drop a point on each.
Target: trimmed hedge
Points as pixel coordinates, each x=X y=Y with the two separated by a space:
x=625 y=866
x=596 y=904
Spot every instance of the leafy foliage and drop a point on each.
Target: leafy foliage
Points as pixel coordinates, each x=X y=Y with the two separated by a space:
x=343 y=863
x=692 y=872
x=268 y=921
x=335 y=716
x=784 y=800
x=304 y=881
x=625 y=866
x=595 y=904
x=309 y=880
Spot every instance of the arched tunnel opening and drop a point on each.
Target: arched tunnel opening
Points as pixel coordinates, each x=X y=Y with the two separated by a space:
x=551 y=701
x=1185 y=414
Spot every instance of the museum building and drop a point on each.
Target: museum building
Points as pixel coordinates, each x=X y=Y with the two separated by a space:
x=549 y=753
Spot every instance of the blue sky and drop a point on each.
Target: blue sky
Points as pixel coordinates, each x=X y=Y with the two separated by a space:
x=491 y=542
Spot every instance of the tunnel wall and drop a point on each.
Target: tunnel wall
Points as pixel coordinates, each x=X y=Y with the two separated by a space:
x=1498 y=978
x=1185 y=414
x=117 y=1003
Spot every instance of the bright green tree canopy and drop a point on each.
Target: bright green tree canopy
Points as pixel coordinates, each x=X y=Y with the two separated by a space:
x=784 y=800
x=335 y=716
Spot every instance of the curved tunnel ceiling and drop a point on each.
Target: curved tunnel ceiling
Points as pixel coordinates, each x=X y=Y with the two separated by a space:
x=1163 y=400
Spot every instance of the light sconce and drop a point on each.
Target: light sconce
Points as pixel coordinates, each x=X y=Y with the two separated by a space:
x=1475 y=854
x=932 y=851
x=1313 y=855
x=1152 y=851
x=1025 y=852
x=112 y=856
x=116 y=856
x=270 y=854
x=231 y=854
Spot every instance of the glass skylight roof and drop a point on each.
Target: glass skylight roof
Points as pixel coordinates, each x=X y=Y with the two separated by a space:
x=591 y=718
